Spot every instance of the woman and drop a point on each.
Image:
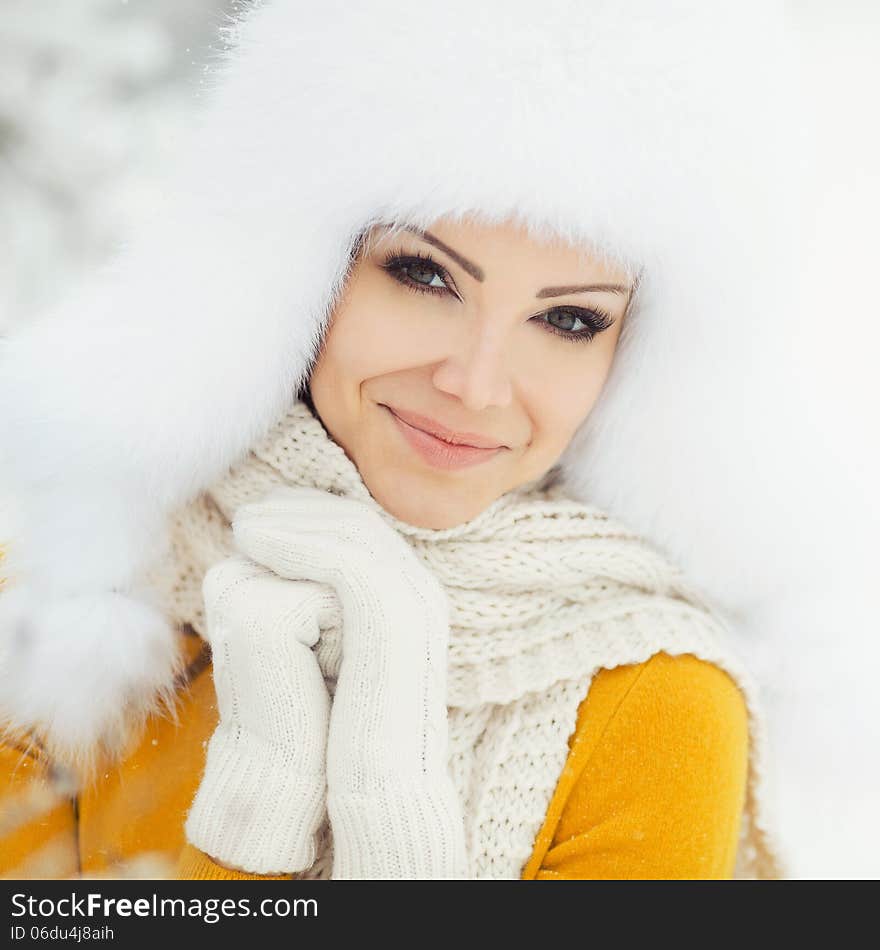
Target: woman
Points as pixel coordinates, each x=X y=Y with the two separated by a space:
x=430 y=660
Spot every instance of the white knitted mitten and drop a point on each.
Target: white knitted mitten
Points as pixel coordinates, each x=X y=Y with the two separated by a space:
x=394 y=810
x=263 y=794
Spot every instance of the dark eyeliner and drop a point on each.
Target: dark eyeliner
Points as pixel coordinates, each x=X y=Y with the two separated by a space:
x=396 y=261
x=595 y=319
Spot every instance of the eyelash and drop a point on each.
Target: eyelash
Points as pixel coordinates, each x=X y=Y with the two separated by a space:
x=596 y=320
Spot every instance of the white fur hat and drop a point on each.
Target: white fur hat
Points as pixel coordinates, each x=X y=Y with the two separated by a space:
x=649 y=131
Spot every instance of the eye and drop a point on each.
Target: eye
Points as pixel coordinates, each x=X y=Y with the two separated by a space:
x=578 y=324
x=419 y=273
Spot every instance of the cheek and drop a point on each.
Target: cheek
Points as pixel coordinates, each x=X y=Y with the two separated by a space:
x=568 y=376
x=556 y=423
x=560 y=397
x=379 y=333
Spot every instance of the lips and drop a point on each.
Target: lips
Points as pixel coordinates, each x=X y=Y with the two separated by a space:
x=436 y=451
x=439 y=431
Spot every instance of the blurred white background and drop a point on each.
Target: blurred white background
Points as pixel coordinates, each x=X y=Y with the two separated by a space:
x=93 y=94
x=827 y=720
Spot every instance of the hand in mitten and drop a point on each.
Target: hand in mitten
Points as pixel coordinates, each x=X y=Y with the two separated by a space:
x=393 y=808
x=263 y=794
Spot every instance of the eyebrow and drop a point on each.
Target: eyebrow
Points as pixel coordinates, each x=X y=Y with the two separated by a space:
x=479 y=274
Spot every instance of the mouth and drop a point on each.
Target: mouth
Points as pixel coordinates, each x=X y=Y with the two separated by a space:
x=439 y=446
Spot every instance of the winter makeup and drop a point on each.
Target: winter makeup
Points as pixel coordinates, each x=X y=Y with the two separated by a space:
x=460 y=360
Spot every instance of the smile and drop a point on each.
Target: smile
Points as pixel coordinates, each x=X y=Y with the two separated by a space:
x=439 y=452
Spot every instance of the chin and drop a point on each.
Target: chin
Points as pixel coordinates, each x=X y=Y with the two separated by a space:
x=411 y=501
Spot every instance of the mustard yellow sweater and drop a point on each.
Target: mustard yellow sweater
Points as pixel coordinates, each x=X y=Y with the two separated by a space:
x=653 y=787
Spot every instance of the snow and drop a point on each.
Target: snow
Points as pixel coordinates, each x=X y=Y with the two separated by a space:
x=90 y=90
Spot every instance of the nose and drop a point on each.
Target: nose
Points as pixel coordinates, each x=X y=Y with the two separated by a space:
x=478 y=372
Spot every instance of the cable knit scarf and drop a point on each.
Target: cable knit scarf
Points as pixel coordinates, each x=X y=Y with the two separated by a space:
x=544 y=591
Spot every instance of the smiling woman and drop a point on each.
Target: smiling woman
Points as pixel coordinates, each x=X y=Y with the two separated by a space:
x=366 y=459
x=475 y=359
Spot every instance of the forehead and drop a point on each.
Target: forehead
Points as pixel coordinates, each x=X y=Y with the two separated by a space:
x=503 y=248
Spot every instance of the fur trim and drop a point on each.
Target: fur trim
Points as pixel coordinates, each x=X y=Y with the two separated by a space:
x=632 y=127
x=88 y=699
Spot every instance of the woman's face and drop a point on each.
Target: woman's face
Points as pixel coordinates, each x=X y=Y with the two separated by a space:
x=460 y=362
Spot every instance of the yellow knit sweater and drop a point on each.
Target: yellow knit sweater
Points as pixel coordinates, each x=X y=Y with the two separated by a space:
x=653 y=787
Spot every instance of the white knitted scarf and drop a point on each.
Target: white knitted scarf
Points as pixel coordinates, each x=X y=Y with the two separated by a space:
x=544 y=591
